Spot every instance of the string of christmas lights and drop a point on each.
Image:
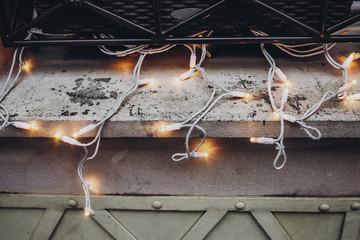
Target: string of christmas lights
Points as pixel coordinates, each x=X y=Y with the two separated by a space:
x=218 y=92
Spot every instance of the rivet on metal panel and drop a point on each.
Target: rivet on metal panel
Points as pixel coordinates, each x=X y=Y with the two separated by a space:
x=355 y=206
x=240 y=206
x=72 y=203
x=324 y=207
x=156 y=205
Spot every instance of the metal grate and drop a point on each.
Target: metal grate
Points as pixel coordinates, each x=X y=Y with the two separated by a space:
x=172 y=21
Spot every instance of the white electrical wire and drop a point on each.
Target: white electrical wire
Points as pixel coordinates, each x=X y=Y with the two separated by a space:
x=280 y=140
x=10 y=83
x=202 y=112
x=312 y=132
x=100 y=125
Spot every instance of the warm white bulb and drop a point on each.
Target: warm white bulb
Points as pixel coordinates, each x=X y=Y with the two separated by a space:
x=88 y=211
x=186 y=75
x=200 y=154
x=146 y=81
x=58 y=135
x=354 y=97
x=34 y=126
x=171 y=127
x=262 y=140
x=280 y=74
x=349 y=60
x=26 y=66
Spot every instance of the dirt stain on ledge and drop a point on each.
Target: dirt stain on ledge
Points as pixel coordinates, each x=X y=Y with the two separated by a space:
x=90 y=90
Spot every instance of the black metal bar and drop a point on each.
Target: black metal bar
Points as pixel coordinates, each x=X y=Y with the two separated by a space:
x=343 y=24
x=286 y=17
x=4 y=22
x=323 y=17
x=157 y=17
x=113 y=41
x=344 y=38
x=14 y=16
x=35 y=21
x=117 y=18
x=198 y=15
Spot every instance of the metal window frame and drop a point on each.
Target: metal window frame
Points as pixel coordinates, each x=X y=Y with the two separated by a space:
x=324 y=34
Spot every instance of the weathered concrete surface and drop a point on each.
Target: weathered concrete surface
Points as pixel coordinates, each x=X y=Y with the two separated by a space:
x=68 y=87
x=235 y=167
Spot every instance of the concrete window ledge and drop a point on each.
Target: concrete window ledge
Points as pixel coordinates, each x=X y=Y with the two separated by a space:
x=70 y=87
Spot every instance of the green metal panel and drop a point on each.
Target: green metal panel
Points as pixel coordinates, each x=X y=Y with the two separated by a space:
x=171 y=218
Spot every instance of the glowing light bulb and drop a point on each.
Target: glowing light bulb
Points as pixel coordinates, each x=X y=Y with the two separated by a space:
x=253 y=139
x=146 y=81
x=90 y=186
x=248 y=96
x=238 y=94
x=200 y=154
x=280 y=74
x=163 y=128
x=354 y=97
x=262 y=140
x=26 y=67
x=276 y=115
x=58 y=135
x=349 y=60
x=66 y=139
x=287 y=83
x=34 y=126
x=88 y=211
x=84 y=130
x=286 y=117
x=186 y=75
x=25 y=125
x=171 y=127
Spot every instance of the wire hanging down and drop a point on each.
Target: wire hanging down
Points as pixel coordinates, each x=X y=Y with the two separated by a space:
x=218 y=93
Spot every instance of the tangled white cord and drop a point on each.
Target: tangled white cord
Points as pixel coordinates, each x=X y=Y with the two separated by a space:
x=8 y=86
x=198 y=116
